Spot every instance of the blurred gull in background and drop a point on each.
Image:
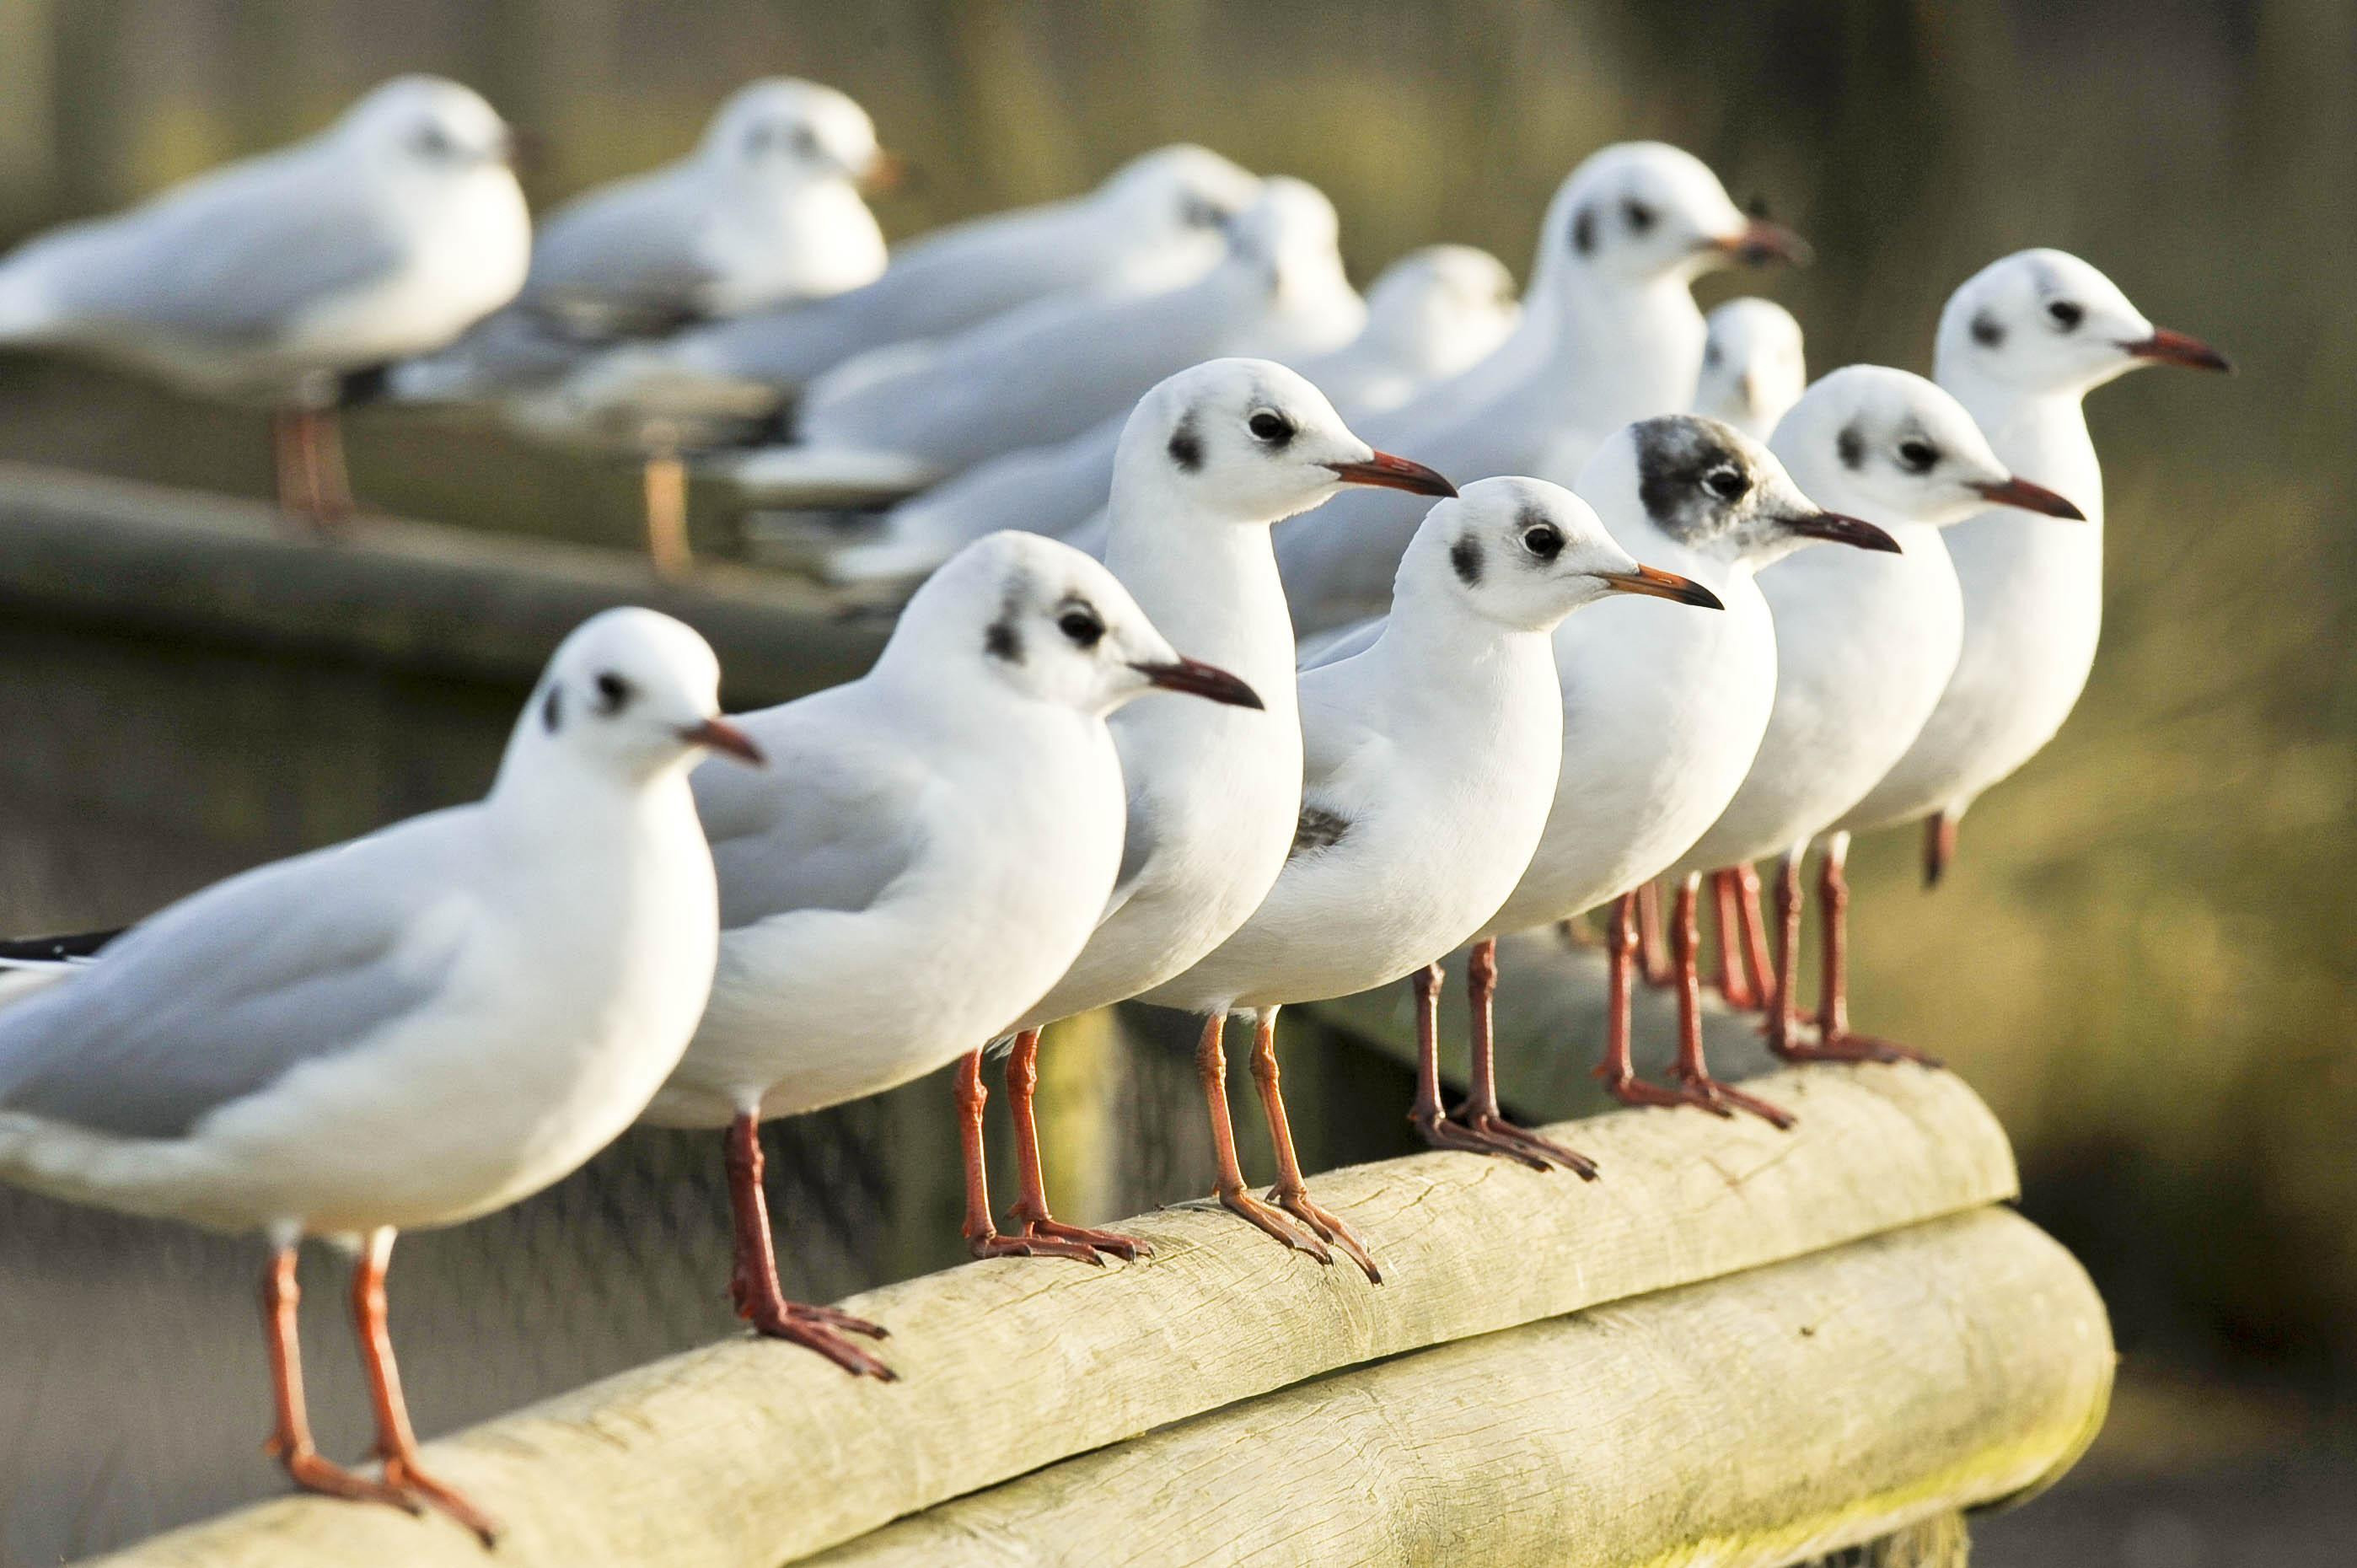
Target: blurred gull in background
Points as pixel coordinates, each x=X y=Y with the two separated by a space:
x=406 y=1031
x=1611 y=334
x=386 y=235
x=1429 y=315
x=1753 y=368
x=898 y=419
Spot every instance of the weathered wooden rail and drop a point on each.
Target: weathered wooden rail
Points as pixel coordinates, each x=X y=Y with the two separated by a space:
x=1740 y=1346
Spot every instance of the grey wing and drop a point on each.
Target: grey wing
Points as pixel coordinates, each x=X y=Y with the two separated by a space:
x=236 y=262
x=1321 y=648
x=222 y=995
x=625 y=265
x=822 y=827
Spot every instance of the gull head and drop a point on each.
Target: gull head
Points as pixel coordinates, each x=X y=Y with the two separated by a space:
x=633 y=693
x=1442 y=308
x=426 y=128
x=1752 y=366
x=1639 y=213
x=1292 y=234
x=1246 y=441
x=1523 y=554
x=1713 y=490
x=1036 y=616
x=2043 y=321
x=1890 y=444
x=782 y=130
x=1178 y=189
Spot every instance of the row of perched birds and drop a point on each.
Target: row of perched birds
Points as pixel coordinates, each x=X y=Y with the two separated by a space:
x=1077 y=777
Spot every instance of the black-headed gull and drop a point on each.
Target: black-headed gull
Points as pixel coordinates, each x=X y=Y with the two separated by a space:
x=1610 y=333
x=1431 y=314
x=1209 y=460
x=1429 y=762
x=405 y=1031
x=951 y=832
x=386 y=235
x=909 y=417
x=1753 y=366
x=1866 y=642
x=1662 y=709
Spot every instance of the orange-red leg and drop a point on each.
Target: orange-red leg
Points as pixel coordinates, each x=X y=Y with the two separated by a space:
x=1835 y=1042
x=1291 y=1193
x=1653 y=947
x=753 y=1284
x=1480 y=1125
x=396 y=1443
x=983 y=1238
x=1745 y=968
x=1031 y=1199
x=290 y=1440
x=1692 y=1071
x=1619 y=1073
x=1211 y=1072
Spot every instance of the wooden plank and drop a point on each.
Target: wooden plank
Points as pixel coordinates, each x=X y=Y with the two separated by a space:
x=745 y=1454
x=422 y=596
x=1746 y=1422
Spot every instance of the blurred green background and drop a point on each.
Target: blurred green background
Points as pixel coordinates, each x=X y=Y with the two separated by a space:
x=2145 y=957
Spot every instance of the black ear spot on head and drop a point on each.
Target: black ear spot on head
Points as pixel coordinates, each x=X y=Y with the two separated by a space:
x=1986 y=332
x=1464 y=557
x=1583 y=231
x=1186 y=446
x=1852 y=447
x=1001 y=640
x=552 y=709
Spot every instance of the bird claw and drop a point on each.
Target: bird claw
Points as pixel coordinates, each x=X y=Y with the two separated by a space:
x=1274 y=1224
x=1296 y=1201
x=812 y=1329
x=1726 y=1096
x=309 y=1471
x=1025 y=1243
x=1637 y=1092
x=1852 y=1048
x=413 y=1483
x=1495 y=1136
x=1128 y=1249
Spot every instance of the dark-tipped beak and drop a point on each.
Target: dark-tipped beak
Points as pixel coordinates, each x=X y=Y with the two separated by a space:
x=1198 y=679
x=1762 y=240
x=1657 y=584
x=887 y=172
x=1855 y=531
x=2179 y=349
x=2030 y=498
x=719 y=735
x=1393 y=474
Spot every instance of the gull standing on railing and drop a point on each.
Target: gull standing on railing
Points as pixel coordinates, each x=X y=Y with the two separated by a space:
x=948 y=831
x=386 y=235
x=1209 y=461
x=402 y=1032
x=1429 y=762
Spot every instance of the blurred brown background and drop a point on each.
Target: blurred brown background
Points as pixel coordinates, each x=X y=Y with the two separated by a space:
x=2145 y=959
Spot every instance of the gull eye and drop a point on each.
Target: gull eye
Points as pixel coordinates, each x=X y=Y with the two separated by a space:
x=1199 y=212
x=432 y=141
x=1727 y=482
x=2066 y=314
x=1544 y=540
x=614 y=693
x=1271 y=426
x=1638 y=216
x=1916 y=456
x=1081 y=625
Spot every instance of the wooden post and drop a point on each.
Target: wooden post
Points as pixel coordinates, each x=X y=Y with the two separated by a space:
x=748 y=1454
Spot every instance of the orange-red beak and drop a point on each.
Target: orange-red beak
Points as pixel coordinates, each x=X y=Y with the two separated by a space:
x=1762 y=240
x=1657 y=584
x=1393 y=473
x=2030 y=498
x=2179 y=349
x=887 y=172
x=719 y=735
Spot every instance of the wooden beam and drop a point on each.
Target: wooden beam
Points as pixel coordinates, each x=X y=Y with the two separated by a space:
x=446 y=600
x=1749 y=1422
x=747 y=1454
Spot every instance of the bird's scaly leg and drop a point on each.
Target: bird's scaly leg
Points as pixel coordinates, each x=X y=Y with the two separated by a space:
x=1290 y=1193
x=1478 y=1125
x=1834 y=1041
x=1032 y=1200
x=1692 y=1071
x=1619 y=1073
x=396 y=1444
x=753 y=1285
x=1653 y=946
x=1211 y=1069
x=290 y=1441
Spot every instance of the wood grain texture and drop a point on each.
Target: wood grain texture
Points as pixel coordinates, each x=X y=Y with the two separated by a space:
x=745 y=1454
x=1746 y=1422
x=451 y=601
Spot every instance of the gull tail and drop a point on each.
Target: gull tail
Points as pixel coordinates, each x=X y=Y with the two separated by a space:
x=822 y=476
